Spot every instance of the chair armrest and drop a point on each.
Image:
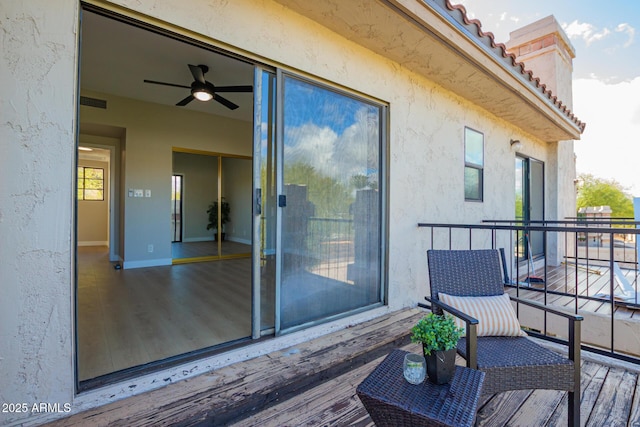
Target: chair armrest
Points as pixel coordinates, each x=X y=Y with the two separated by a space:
x=575 y=333
x=535 y=304
x=471 y=336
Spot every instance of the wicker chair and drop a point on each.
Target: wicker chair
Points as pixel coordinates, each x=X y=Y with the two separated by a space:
x=510 y=363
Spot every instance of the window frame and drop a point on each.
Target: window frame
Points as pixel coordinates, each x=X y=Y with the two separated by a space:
x=83 y=188
x=470 y=165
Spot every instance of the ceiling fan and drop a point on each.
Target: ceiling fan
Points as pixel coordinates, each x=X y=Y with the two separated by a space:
x=203 y=90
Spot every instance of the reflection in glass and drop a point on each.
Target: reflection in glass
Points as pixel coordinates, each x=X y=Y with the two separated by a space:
x=331 y=222
x=199 y=207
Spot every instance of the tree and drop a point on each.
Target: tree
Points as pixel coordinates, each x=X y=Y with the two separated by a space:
x=594 y=191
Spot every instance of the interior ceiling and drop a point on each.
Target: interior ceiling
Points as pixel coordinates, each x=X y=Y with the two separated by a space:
x=117 y=57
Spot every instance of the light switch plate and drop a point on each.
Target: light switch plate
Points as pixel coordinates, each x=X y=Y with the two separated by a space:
x=147 y=193
x=137 y=192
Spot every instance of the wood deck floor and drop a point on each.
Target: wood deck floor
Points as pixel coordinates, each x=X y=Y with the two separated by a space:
x=314 y=383
x=582 y=284
x=610 y=398
x=590 y=281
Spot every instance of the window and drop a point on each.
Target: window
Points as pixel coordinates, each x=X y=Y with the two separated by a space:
x=90 y=183
x=473 y=164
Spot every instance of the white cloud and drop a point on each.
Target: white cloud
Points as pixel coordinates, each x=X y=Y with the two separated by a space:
x=629 y=30
x=585 y=31
x=609 y=147
x=340 y=156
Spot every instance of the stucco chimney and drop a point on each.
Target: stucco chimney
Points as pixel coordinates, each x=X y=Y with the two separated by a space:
x=545 y=49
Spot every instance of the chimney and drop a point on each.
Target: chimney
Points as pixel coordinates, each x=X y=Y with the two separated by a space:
x=545 y=49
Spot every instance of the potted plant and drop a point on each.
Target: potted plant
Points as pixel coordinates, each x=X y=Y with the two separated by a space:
x=439 y=336
x=225 y=210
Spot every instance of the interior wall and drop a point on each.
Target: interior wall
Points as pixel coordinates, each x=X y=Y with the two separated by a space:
x=238 y=190
x=151 y=132
x=93 y=215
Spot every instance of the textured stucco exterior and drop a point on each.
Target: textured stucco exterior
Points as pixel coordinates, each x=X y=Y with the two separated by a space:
x=38 y=70
x=38 y=63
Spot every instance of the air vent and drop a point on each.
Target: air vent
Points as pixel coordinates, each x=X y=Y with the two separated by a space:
x=93 y=102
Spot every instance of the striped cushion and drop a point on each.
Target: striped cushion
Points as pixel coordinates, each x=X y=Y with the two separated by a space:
x=495 y=314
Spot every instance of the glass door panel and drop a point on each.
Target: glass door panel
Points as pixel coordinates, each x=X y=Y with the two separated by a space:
x=265 y=208
x=520 y=208
x=536 y=205
x=529 y=192
x=330 y=231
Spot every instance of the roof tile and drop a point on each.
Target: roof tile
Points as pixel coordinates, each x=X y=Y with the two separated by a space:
x=511 y=60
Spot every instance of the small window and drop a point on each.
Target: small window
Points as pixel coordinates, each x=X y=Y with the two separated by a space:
x=473 y=164
x=90 y=183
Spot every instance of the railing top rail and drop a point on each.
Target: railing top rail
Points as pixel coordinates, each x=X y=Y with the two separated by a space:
x=614 y=221
x=604 y=230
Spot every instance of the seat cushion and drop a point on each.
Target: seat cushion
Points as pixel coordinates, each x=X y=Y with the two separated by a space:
x=517 y=363
x=495 y=314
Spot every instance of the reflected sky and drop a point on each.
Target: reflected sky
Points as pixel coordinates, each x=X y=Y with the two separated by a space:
x=336 y=134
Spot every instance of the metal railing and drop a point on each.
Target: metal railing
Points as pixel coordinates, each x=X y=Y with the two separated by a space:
x=584 y=266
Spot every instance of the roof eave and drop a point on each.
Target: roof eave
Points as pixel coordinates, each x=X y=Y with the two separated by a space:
x=436 y=42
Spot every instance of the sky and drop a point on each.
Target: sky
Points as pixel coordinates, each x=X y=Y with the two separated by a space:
x=606 y=74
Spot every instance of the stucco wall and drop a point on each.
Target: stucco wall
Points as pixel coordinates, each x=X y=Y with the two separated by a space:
x=38 y=57
x=38 y=81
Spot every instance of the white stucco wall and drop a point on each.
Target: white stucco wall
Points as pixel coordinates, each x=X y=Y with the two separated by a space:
x=38 y=62
x=38 y=80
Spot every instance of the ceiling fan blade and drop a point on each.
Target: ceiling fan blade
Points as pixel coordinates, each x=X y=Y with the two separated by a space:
x=234 y=88
x=185 y=101
x=167 y=84
x=224 y=101
x=198 y=73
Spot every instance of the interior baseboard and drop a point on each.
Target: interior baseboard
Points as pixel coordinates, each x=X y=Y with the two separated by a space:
x=147 y=263
x=93 y=243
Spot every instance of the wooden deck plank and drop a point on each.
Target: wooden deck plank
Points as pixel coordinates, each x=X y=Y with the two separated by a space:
x=613 y=406
x=333 y=402
x=224 y=394
x=267 y=390
x=529 y=413
x=589 y=371
x=634 y=416
x=501 y=407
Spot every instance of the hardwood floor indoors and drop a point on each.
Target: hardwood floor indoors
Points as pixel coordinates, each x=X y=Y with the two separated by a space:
x=132 y=317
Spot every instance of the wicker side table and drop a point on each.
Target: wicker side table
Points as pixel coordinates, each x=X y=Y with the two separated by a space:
x=391 y=401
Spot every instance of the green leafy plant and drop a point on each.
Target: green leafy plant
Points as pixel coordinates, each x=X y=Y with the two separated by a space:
x=225 y=209
x=436 y=333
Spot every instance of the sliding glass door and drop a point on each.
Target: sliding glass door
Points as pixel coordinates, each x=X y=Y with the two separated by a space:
x=329 y=203
x=530 y=204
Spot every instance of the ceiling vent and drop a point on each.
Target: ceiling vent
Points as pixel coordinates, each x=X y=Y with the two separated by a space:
x=93 y=102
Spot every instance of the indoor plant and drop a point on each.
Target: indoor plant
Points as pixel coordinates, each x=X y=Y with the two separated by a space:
x=225 y=210
x=439 y=336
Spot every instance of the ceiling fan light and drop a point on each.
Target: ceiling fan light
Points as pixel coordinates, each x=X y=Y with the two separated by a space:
x=202 y=95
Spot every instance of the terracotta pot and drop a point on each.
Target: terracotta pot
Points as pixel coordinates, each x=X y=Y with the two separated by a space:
x=441 y=365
